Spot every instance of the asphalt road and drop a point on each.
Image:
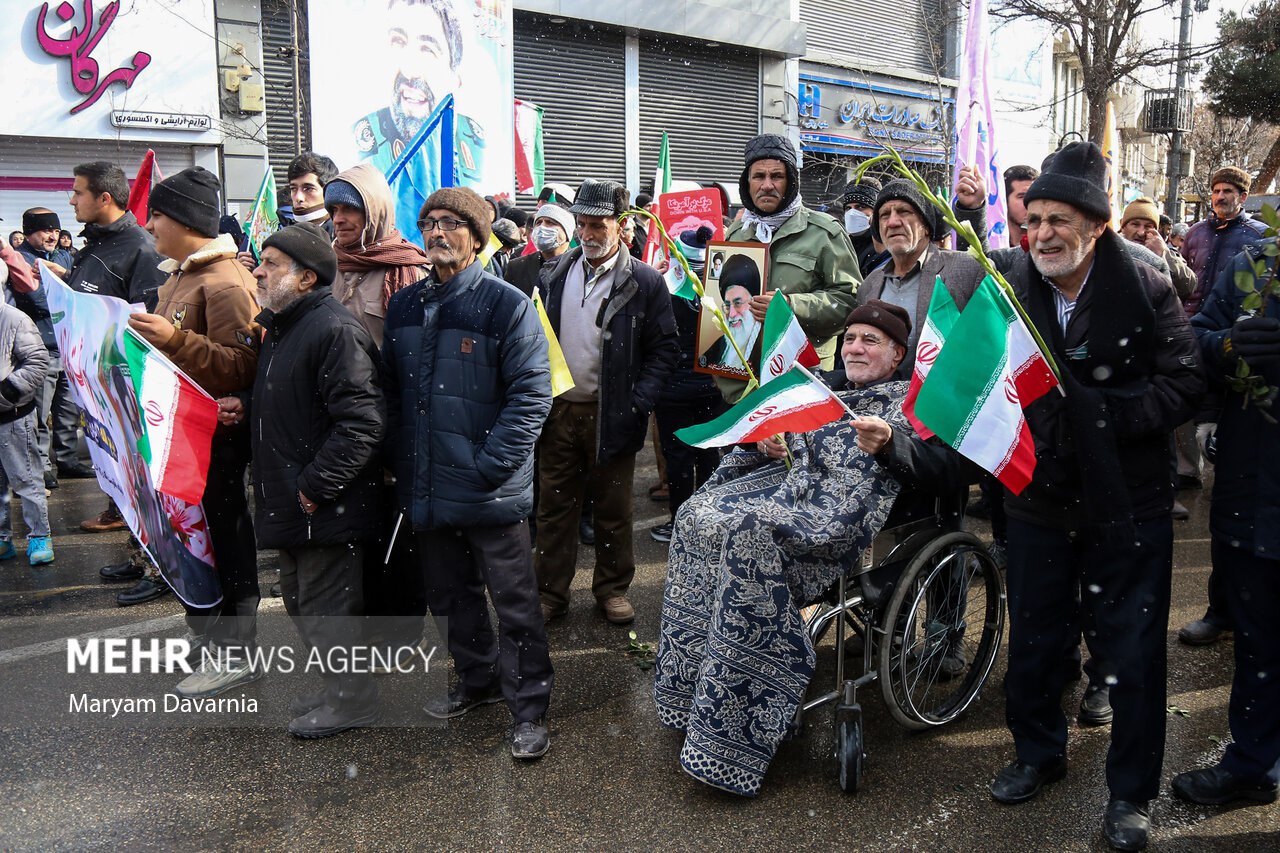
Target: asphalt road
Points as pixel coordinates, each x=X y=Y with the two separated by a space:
x=611 y=778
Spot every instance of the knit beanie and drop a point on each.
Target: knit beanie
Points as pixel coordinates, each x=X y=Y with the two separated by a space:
x=33 y=221
x=191 y=198
x=468 y=205
x=558 y=214
x=862 y=193
x=770 y=146
x=693 y=244
x=1141 y=208
x=903 y=190
x=310 y=246
x=342 y=192
x=893 y=320
x=1076 y=175
x=1232 y=175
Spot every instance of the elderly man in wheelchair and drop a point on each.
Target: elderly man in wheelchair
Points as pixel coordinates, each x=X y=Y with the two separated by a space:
x=761 y=543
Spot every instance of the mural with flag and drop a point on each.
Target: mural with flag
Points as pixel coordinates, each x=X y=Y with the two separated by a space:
x=147 y=425
x=426 y=165
x=975 y=134
x=140 y=193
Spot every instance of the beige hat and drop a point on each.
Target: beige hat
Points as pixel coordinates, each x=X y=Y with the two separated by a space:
x=1141 y=208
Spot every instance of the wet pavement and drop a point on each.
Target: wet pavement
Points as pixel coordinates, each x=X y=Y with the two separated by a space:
x=611 y=778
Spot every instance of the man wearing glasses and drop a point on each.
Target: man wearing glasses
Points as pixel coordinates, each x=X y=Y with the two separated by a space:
x=467 y=389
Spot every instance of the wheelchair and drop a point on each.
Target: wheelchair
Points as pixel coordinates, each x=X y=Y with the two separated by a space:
x=927 y=601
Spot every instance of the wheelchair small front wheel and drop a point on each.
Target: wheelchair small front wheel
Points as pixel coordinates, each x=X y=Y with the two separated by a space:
x=849 y=747
x=943 y=624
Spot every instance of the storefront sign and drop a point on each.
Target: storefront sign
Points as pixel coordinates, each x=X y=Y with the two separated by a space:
x=71 y=68
x=848 y=117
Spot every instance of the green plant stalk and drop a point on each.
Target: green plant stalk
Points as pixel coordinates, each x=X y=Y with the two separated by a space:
x=965 y=230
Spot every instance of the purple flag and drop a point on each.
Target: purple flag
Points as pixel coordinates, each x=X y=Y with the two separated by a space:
x=975 y=140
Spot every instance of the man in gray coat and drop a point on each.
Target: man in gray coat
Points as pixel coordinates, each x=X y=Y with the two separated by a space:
x=23 y=362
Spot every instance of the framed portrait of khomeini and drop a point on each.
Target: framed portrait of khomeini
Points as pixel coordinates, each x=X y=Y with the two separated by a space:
x=735 y=273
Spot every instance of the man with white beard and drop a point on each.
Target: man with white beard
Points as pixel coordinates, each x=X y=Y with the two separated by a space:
x=612 y=315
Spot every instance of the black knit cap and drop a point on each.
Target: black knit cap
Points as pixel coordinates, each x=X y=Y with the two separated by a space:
x=903 y=190
x=893 y=320
x=1076 y=175
x=190 y=197
x=310 y=246
x=769 y=146
x=33 y=221
x=861 y=192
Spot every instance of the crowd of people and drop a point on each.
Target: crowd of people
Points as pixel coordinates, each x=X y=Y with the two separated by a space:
x=367 y=385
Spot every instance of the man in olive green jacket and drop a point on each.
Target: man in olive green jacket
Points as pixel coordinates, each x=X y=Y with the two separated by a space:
x=810 y=260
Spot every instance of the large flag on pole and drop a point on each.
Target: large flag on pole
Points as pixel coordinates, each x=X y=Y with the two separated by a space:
x=426 y=164
x=794 y=402
x=140 y=193
x=977 y=387
x=1111 y=150
x=146 y=425
x=975 y=137
x=942 y=316
x=561 y=378
x=264 y=219
x=530 y=163
x=662 y=175
x=784 y=344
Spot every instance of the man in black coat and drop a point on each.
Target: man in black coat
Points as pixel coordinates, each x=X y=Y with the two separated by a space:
x=318 y=421
x=1097 y=510
x=552 y=227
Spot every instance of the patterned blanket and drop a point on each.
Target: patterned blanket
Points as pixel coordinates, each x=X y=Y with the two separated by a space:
x=755 y=544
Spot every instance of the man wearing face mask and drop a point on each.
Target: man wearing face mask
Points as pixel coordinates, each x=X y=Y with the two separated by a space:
x=552 y=225
x=859 y=201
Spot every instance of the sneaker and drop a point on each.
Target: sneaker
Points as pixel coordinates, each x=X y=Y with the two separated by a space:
x=50 y=480
x=76 y=471
x=618 y=610
x=661 y=533
x=214 y=677
x=530 y=740
x=104 y=522
x=39 y=550
x=1201 y=632
x=7 y=551
x=462 y=699
x=326 y=721
x=999 y=551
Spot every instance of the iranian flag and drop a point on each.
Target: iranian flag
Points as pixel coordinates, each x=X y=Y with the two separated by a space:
x=794 y=402
x=530 y=165
x=140 y=193
x=942 y=316
x=784 y=343
x=178 y=420
x=973 y=396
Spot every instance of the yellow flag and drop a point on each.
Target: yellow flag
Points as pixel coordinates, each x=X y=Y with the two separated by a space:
x=490 y=250
x=561 y=379
x=1111 y=150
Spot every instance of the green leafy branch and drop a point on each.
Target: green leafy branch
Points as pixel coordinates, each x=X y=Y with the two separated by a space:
x=643 y=655
x=1258 y=285
x=893 y=159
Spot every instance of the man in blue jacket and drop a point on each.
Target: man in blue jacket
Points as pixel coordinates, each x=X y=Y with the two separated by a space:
x=468 y=387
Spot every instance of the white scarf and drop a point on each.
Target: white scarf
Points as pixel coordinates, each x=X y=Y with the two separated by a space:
x=766 y=225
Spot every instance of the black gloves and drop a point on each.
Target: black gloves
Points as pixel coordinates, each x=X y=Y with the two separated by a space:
x=1255 y=339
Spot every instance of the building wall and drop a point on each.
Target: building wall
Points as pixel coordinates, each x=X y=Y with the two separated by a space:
x=244 y=135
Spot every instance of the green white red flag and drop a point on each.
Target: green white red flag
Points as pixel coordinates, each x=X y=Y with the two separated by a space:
x=531 y=170
x=942 y=316
x=976 y=388
x=794 y=402
x=140 y=192
x=784 y=343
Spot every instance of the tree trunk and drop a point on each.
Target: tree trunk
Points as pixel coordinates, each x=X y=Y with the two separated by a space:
x=1270 y=166
x=1097 y=118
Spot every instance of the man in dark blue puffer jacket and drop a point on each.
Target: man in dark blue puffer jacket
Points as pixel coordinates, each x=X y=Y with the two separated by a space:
x=468 y=388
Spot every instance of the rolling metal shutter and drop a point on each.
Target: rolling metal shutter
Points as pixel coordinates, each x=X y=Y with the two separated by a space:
x=284 y=92
x=870 y=33
x=576 y=72
x=708 y=101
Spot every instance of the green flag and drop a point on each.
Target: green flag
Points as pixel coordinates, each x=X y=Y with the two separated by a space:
x=263 y=219
x=662 y=177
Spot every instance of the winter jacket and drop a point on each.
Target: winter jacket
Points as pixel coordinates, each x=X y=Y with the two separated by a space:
x=685 y=385
x=23 y=363
x=1155 y=386
x=118 y=260
x=318 y=421
x=1246 y=483
x=1210 y=247
x=810 y=260
x=522 y=273
x=638 y=348
x=209 y=298
x=36 y=303
x=61 y=257
x=468 y=388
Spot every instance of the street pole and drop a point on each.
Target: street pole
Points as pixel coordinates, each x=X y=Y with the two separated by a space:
x=1173 y=202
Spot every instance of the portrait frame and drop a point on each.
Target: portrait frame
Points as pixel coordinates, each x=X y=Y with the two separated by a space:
x=745 y=266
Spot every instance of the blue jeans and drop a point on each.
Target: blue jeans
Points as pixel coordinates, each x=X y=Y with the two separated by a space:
x=20 y=472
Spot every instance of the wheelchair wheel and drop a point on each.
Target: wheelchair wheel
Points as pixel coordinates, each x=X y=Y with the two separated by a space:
x=942 y=630
x=849 y=754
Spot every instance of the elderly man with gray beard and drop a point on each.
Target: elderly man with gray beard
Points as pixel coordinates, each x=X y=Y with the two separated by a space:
x=318 y=421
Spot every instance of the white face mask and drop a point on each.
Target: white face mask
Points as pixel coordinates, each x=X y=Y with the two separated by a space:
x=546 y=239
x=855 y=221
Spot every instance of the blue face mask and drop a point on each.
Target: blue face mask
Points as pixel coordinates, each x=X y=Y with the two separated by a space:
x=855 y=221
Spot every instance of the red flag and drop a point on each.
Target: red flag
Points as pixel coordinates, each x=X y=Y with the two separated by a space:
x=140 y=192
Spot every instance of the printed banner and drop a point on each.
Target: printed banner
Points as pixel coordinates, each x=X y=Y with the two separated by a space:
x=91 y=334
x=684 y=211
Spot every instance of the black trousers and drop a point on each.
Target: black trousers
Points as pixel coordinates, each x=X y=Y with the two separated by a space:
x=1125 y=608
x=324 y=596
x=395 y=600
x=687 y=467
x=1252 y=586
x=458 y=564
x=233 y=624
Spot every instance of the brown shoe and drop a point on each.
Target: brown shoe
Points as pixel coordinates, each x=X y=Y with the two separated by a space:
x=550 y=614
x=107 y=520
x=618 y=610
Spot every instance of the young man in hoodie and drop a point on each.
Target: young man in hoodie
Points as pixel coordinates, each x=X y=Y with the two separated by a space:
x=204 y=322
